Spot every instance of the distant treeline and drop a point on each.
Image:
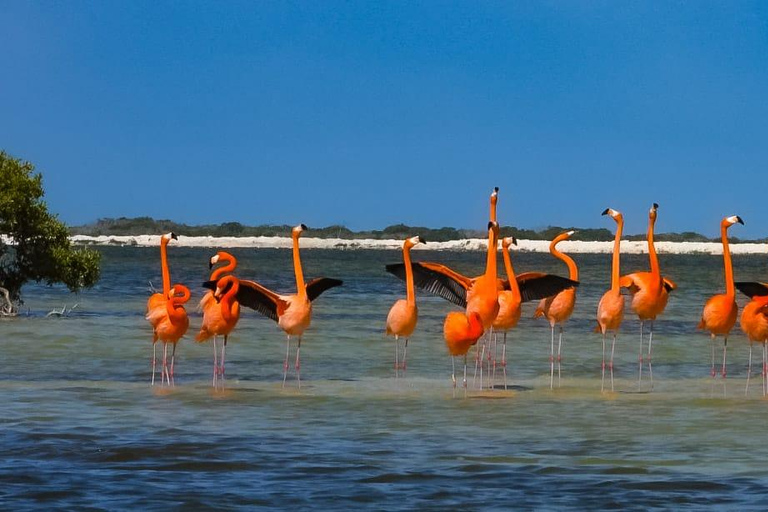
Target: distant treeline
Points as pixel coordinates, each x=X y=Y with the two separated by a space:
x=148 y=226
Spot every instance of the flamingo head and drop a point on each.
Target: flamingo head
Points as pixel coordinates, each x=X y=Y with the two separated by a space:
x=615 y=214
x=414 y=240
x=297 y=230
x=730 y=221
x=652 y=211
x=169 y=236
x=507 y=241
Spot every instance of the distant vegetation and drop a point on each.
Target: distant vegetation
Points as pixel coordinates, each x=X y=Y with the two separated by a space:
x=147 y=225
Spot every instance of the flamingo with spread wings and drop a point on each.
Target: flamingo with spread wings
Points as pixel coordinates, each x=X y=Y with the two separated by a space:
x=293 y=313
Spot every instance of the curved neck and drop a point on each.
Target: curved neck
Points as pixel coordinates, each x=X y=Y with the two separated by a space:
x=164 y=265
x=228 y=301
x=301 y=289
x=573 y=270
x=229 y=267
x=616 y=254
x=729 y=287
x=490 y=261
x=410 y=294
x=175 y=307
x=475 y=329
x=652 y=249
x=513 y=286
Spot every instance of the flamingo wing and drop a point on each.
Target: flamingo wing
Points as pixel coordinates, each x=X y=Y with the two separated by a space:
x=753 y=289
x=318 y=285
x=255 y=296
x=538 y=285
x=436 y=279
x=669 y=284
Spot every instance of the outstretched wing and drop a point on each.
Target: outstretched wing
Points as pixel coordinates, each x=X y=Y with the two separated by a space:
x=669 y=284
x=253 y=295
x=318 y=285
x=537 y=285
x=436 y=279
x=753 y=289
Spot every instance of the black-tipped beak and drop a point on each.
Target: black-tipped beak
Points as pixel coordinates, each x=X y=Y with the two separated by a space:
x=514 y=241
x=490 y=225
x=738 y=219
x=174 y=235
x=655 y=206
x=210 y=265
x=304 y=227
x=496 y=189
x=422 y=241
x=605 y=212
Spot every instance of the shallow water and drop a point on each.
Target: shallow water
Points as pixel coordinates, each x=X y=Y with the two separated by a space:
x=81 y=427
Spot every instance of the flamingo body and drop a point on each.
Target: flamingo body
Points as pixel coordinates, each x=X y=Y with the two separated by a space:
x=402 y=319
x=753 y=321
x=461 y=331
x=610 y=311
x=719 y=315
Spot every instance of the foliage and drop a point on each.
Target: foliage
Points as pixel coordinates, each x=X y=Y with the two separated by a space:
x=35 y=244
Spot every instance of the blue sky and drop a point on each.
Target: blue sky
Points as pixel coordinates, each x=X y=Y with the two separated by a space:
x=370 y=114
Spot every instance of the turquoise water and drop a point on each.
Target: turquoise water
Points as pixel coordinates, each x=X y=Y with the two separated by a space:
x=81 y=427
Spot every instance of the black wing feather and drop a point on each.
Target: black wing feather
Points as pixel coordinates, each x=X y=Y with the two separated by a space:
x=545 y=286
x=432 y=282
x=752 y=289
x=253 y=298
x=318 y=285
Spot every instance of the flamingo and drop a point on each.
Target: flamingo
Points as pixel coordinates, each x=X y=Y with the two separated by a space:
x=221 y=311
x=157 y=301
x=610 y=310
x=754 y=323
x=558 y=308
x=510 y=303
x=720 y=311
x=402 y=317
x=293 y=313
x=461 y=331
x=650 y=293
x=170 y=323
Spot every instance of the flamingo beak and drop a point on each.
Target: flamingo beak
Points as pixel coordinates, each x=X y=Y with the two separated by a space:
x=738 y=219
x=606 y=211
x=422 y=241
x=174 y=235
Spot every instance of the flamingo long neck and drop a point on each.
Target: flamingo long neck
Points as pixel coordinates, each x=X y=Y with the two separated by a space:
x=573 y=270
x=652 y=249
x=490 y=262
x=513 y=286
x=616 y=255
x=228 y=301
x=301 y=289
x=729 y=287
x=410 y=294
x=164 y=264
x=494 y=199
x=475 y=327
x=229 y=267
x=175 y=307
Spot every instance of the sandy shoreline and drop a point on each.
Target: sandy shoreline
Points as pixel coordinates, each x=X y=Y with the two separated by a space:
x=473 y=244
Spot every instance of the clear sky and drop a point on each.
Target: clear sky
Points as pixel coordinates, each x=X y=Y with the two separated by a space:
x=375 y=113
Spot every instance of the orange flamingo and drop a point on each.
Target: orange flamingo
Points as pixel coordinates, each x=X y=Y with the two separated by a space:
x=754 y=323
x=220 y=315
x=293 y=313
x=157 y=301
x=510 y=303
x=610 y=310
x=402 y=317
x=720 y=311
x=650 y=293
x=170 y=323
x=461 y=331
x=558 y=308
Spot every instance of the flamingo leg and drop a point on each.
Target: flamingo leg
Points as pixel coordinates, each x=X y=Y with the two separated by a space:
x=504 y=359
x=495 y=349
x=405 y=354
x=713 y=356
x=765 y=368
x=725 y=348
x=552 y=357
x=749 y=369
x=223 y=354
x=173 y=361
x=464 y=382
x=477 y=359
x=164 y=371
x=215 y=361
x=298 y=363
x=397 y=354
x=482 y=359
x=491 y=355
x=602 y=368
x=154 y=361
x=640 y=356
x=453 y=374
x=559 y=358
x=650 y=355
x=287 y=353
x=613 y=346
